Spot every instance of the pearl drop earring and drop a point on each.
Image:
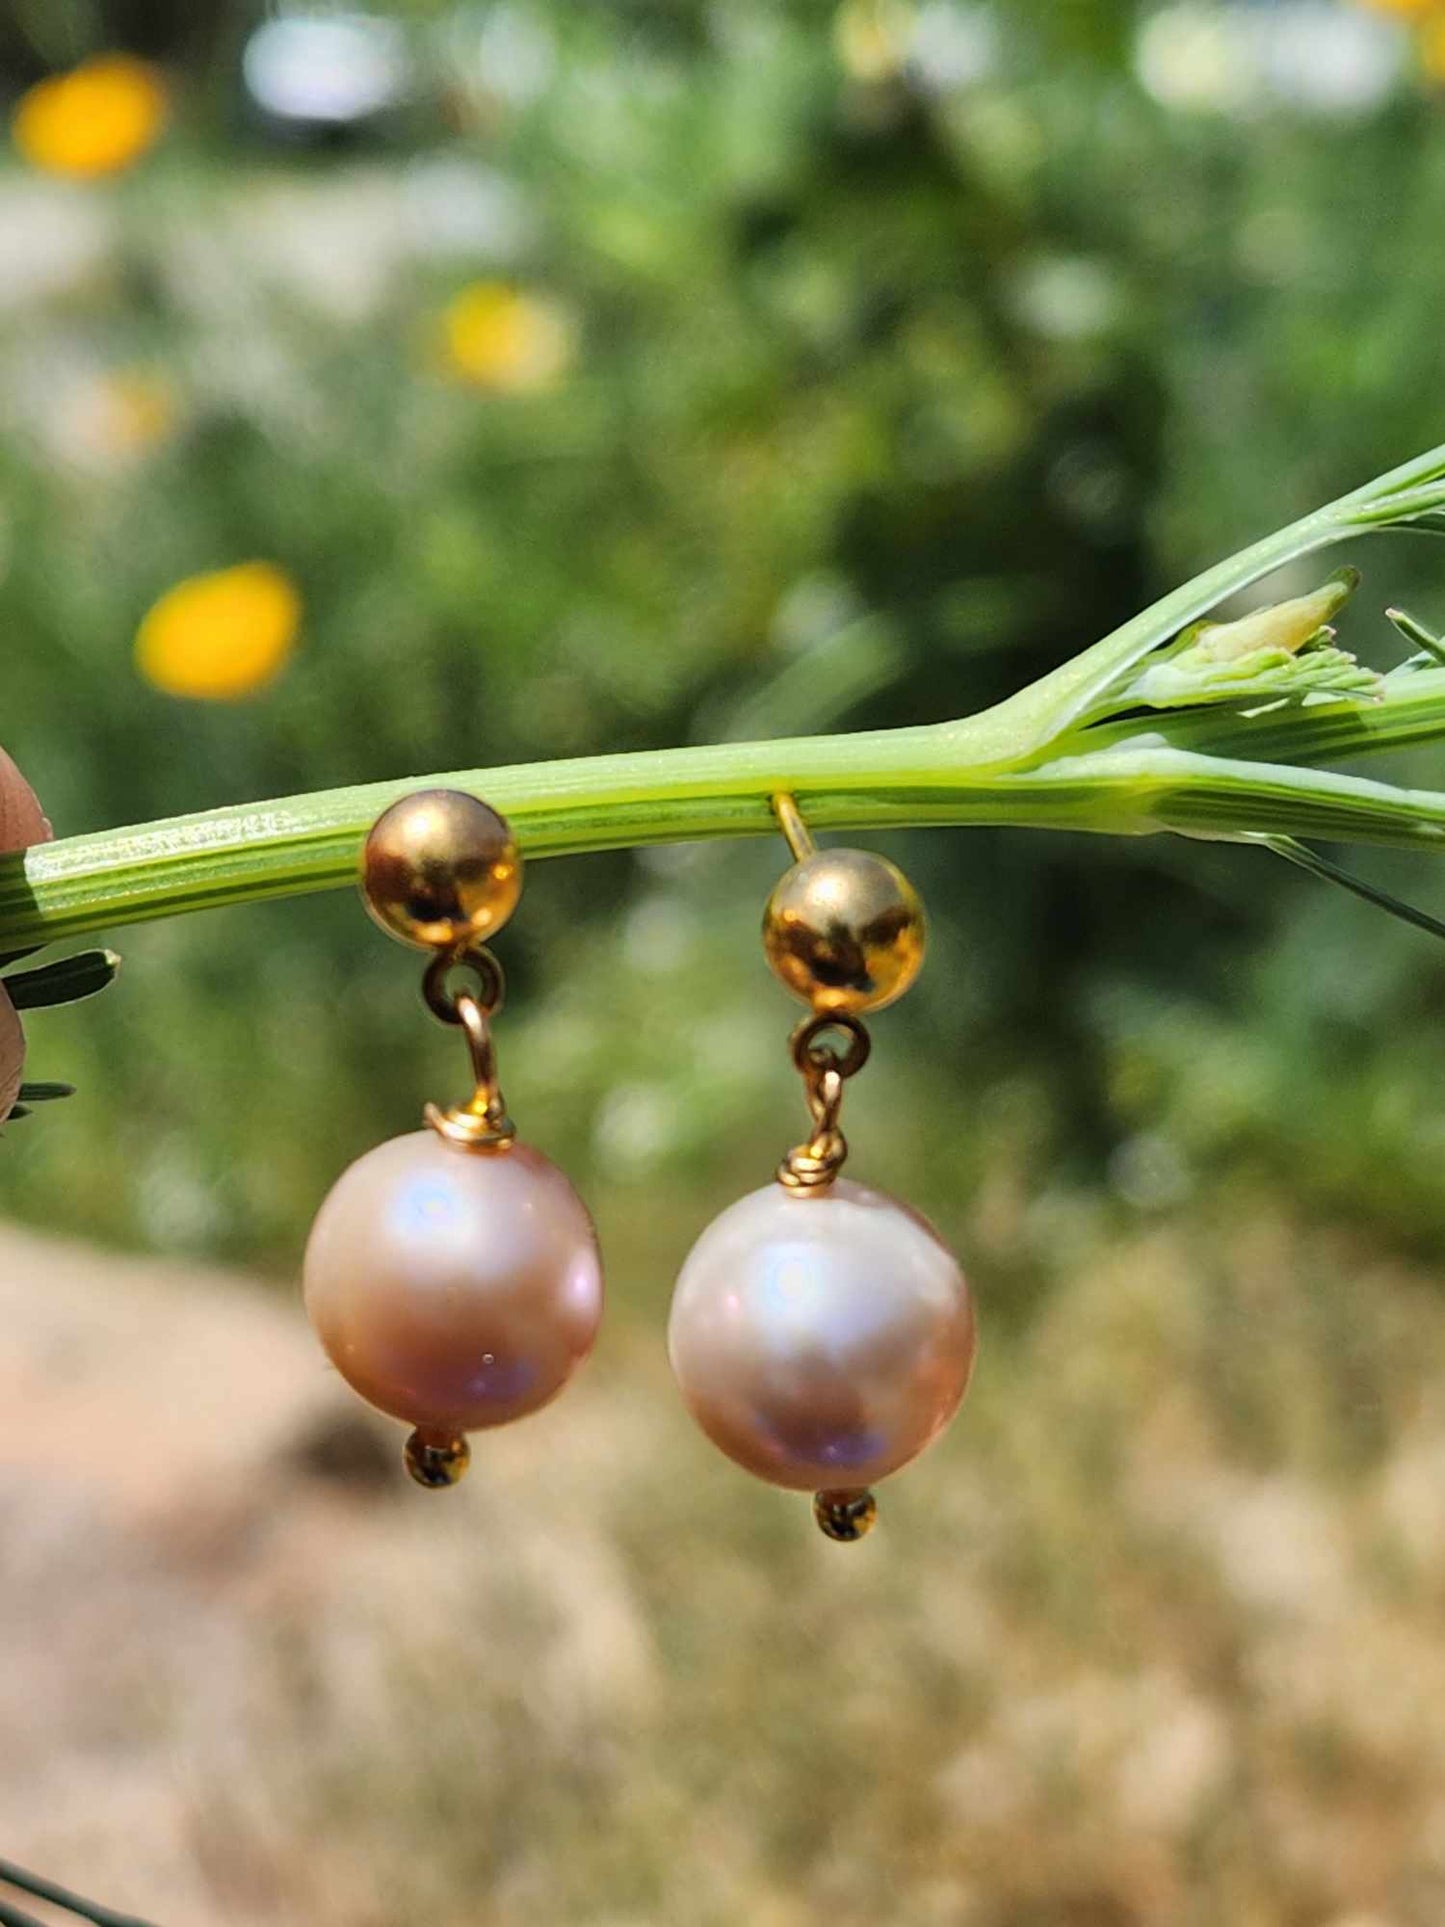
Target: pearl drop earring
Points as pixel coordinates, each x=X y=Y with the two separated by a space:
x=452 y=1275
x=821 y=1332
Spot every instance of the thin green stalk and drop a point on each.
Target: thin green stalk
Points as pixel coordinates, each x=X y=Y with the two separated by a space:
x=311 y=842
x=1033 y=760
x=1411 y=496
x=1327 y=872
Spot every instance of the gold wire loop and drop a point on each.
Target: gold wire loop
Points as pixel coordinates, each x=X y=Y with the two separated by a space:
x=812 y=1052
x=481 y=1124
x=446 y=1004
x=814 y=1165
x=810 y=1166
x=477 y=1024
x=825 y=1098
x=795 y=830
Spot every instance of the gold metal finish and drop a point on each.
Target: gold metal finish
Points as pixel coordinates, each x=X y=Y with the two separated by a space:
x=441 y=869
x=481 y=1124
x=435 y=1461
x=811 y=1050
x=444 y=1003
x=814 y=1165
x=843 y=930
x=845 y=1516
x=790 y=822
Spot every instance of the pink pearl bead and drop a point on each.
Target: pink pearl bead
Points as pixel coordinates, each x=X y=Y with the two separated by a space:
x=455 y=1289
x=821 y=1339
x=12 y=1054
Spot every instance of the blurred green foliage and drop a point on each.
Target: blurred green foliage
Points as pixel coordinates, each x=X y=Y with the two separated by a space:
x=890 y=391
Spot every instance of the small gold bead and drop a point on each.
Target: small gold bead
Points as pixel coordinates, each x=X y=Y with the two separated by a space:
x=845 y=1516
x=440 y=869
x=843 y=930
x=437 y=1462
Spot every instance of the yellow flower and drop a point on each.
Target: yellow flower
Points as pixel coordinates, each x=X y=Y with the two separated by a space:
x=97 y=119
x=1428 y=17
x=1432 y=46
x=515 y=344
x=219 y=636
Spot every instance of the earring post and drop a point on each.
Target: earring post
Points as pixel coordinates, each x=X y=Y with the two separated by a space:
x=790 y=822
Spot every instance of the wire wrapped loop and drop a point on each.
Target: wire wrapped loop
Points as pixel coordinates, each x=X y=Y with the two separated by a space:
x=481 y=1124
x=814 y=1165
x=812 y=1052
x=446 y=1004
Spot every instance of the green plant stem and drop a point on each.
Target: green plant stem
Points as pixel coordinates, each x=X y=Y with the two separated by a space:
x=1413 y=712
x=842 y=783
x=1046 y=758
x=1408 y=496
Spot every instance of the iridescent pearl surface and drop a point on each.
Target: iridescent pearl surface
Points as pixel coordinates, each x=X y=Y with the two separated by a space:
x=454 y=1288
x=821 y=1339
x=22 y=821
x=12 y=1054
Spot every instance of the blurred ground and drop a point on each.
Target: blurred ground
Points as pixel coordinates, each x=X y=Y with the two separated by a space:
x=1153 y=1638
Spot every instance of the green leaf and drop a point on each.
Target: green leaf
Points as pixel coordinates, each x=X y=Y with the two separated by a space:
x=45 y=1093
x=63 y=982
x=1415 y=632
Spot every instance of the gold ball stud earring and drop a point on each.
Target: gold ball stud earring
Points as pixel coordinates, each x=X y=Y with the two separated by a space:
x=843 y=930
x=821 y=1332
x=441 y=869
x=452 y=1275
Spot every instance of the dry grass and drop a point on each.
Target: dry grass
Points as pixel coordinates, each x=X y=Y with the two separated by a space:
x=1153 y=1639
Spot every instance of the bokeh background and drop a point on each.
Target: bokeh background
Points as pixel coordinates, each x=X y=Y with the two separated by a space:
x=413 y=388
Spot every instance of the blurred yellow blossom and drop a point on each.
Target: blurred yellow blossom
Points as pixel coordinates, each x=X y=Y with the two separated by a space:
x=97 y=119
x=220 y=636
x=873 y=37
x=1432 y=45
x=496 y=337
x=1428 y=18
